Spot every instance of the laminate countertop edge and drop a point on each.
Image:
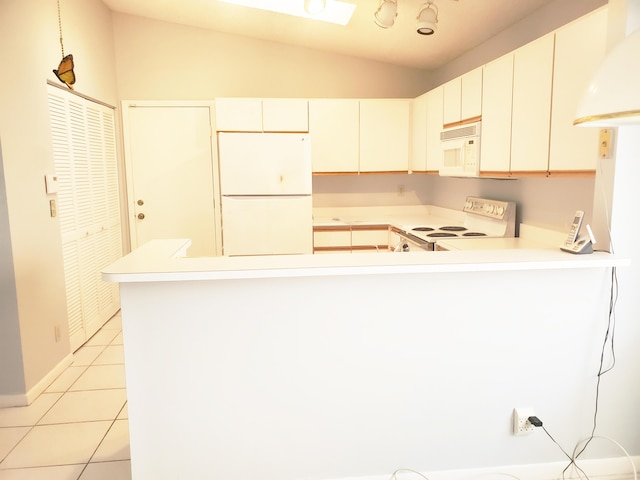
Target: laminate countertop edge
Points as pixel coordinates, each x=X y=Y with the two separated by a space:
x=166 y=260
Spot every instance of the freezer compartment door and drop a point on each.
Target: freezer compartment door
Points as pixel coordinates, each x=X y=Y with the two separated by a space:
x=265 y=163
x=267 y=225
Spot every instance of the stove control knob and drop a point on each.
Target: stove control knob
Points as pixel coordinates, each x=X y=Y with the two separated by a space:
x=500 y=210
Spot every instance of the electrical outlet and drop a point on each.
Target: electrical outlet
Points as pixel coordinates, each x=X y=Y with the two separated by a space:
x=521 y=423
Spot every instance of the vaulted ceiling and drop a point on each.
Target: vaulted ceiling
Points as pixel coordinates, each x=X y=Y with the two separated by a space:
x=462 y=25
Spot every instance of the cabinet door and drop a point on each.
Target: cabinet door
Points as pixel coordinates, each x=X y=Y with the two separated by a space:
x=285 y=115
x=434 y=128
x=532 y=76
x=238 y=114
x=370 y=239
x=471 y=95
x=419 y=134
x=331 y=239
x=384 y=135
x=497 y=90
x=580 y=48
x=452 y=98
x=463 y=98
x=334 y=126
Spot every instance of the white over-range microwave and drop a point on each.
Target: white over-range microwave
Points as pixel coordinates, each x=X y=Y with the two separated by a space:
x=461 y=151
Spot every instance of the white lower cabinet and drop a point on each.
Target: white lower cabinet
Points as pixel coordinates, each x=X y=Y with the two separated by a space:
x=370 y=238
x=350 y=239
x=332 y=239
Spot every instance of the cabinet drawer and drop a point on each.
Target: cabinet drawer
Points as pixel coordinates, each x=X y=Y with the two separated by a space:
x=331 y=239
x=370 y=239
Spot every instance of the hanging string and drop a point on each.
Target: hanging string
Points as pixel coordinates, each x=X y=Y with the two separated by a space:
x=60 y=28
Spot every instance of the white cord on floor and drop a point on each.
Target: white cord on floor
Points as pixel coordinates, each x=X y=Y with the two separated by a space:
x=633 y=467
x=394 y=476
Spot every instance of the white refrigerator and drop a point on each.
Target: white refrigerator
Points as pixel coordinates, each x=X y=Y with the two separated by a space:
x=265 y=180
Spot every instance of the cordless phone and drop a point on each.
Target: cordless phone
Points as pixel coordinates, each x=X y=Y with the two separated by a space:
x=574 y=244
x=574 y=231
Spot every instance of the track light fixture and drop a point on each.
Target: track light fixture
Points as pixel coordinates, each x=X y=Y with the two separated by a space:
x=386 y=13
x=427 y=19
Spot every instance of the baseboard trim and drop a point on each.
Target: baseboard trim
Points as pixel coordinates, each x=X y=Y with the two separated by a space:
x=615 y=468
x=24 y=399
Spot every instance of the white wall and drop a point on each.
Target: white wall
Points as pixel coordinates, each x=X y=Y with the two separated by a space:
x=353 y=376
x=163 y=61
x=34 y=301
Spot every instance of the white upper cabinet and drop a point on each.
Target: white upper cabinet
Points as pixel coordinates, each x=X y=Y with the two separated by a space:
x=580 y=48
x=452 y=97
x=418 y=161
x=238 y=114
x=531 y=114
x=471 y=91
x=497 y=90
x=434 y=127
x=463 y=98
x=285 y=115
x=384 y=135
x=334 y=125
x=262 y=115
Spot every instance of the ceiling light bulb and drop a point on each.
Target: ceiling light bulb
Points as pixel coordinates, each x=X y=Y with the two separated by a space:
x=427 y=19
x=313 y=7
x=386 y=13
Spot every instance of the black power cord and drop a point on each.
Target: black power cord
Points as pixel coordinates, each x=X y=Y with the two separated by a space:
x=609 y=338
x=536 y=422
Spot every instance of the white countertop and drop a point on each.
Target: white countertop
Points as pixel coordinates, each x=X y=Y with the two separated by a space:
x=395 y=216
x=165 y=260
x=493 y=244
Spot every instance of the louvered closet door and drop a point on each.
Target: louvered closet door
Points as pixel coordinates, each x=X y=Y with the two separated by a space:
x=84 y=152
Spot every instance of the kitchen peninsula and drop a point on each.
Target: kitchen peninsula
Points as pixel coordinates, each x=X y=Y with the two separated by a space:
x=338 y=366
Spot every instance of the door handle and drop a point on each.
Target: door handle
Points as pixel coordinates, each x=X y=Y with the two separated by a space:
x=140 y=202
x=141 y=216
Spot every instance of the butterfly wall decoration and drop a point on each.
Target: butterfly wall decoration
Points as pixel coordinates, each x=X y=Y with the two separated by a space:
x=65 y=71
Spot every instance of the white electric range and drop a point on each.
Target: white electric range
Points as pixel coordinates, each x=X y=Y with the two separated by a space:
x=483 y=218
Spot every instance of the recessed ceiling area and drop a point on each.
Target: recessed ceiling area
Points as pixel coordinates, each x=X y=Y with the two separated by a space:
x=462 y=25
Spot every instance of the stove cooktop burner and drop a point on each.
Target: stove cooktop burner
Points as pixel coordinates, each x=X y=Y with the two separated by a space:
x=423 y=229
x=453 y=229
x=474 y=234
x=442 y=234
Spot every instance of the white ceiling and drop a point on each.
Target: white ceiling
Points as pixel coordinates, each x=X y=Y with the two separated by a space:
x=462 y=25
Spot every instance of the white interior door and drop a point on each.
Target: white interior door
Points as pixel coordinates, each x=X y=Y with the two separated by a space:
x=171 y=175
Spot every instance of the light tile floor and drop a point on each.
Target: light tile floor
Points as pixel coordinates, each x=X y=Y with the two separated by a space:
x=78 y=428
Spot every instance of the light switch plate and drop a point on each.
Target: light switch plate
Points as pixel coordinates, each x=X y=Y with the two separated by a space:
x=604 y=143
x=51 y=183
